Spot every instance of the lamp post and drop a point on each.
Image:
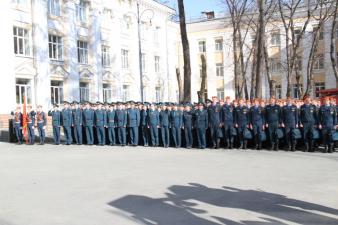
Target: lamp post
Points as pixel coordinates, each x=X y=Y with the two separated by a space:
x=139 y=17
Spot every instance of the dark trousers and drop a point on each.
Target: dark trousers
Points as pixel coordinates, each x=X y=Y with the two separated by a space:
x=144 y=131
x=307 y=132
x=288 y=135
x=89 y=135
x=31 y=134
x=56 y=134
x=273 y=133
x=133 y=133
x=188 y=136
x=214 y=132
x=78 y=134
x=111 y=135
x=240 y=131
x=327 y=135
x=257 y=130
x=42 y=133
x=68 y=135
x=201 y=137
x=121 y=132
x=154 y=135
x=165 y=136
x=176 y=131
x=228 y=137
x=18 y=132
x=101 y=135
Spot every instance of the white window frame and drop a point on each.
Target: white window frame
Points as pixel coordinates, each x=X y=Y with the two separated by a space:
x=158 y=94
x=84 y=91
x=319 y=86
x=125 y=59
x=55 y=47
x=319 y=63
x=275 y=65
x=125 y=93
x=23 y=89
x=81 y=11
x=275 y=39
x=202 y=46
x=22 y=41
x=54 y=7
x=82 y=52
x=220 y=93
x=219 y=70
x=278 y=93
x=107 y=93
x=157 y=64
x=143 y=62
x=56 y=92
x=106 y=56
x=219 y=45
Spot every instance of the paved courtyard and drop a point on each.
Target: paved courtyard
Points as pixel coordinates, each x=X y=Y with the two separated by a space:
x=90 y=185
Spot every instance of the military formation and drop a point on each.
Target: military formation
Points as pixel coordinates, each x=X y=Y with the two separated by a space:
x=307 y=125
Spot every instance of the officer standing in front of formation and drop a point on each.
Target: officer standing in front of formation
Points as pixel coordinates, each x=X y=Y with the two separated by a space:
x=41 y=122
x=228 y=122
x=309 y=120
x=176 y=125
x=88 y=123
x=257 y=121
x=77 y=123
x=241 y=118
x=201 y=124
x=17 y=124
x=153 y=124
x=121 y=123
x=111 y=124
x=30 y=124
x=327 y=123
x=215 y=115
x=133 y=123
x=290 y=122
x=100 y=123
x=66 y=117
x=56 y=123
x=164 y=124
x=273 y=119
x=187 y=125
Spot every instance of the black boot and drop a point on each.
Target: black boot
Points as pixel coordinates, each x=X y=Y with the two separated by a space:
x=259 y=146
x=217 y=144
x=245 y=145
x=272 y=147
x=325 y=149
x=231 y=145
x=293 y=147
x=306 y=147
x=330 y=148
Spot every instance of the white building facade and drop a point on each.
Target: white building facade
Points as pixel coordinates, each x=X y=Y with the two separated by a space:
x=86 y=50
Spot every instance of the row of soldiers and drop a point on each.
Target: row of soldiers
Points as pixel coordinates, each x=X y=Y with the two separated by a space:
x=229 y=122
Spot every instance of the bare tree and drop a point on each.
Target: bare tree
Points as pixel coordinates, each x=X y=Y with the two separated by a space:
x=333 y=55
x=186 y=53
x=202 y=92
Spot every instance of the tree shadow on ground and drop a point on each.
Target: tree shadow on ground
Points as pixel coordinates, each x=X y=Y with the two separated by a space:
x=177 y=207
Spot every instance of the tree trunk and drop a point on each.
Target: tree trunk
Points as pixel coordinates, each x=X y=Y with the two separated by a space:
x=201 y=94
x=186 y=53
x=180 y=86
x=260 y=41
x=333 y=55
x=272 y=85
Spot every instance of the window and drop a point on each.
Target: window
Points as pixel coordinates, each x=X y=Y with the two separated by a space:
x=298 y=63
x=56 y=92
x=105 y=56
x=124 y=59
x=296 y=90
x=158 y=94
x=319 y=86
x=156 y=34
x=275 y=39
x=318 y=63
x=84 y=91
x=54 y=7
x=157 y=64
x=218 y=45
x=81 y=14
x=297 y=33
x=275 y=65
x=55 y=47
x=125 y=24
x=20 y=2
x=82 y=52
x=278 y=93
x=21 y=41
x=23 y=91
x=107 y=93
x=219 y=70
x=220 y=93
x=125 y=93
x=202 y=46
x=143 y=62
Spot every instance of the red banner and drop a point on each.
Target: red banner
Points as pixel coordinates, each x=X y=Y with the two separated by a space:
x=24 y=119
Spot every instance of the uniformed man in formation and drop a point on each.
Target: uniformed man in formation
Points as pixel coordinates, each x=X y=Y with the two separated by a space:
x=290 y=124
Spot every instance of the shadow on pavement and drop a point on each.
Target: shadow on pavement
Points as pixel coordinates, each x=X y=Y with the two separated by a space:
x=176 y=208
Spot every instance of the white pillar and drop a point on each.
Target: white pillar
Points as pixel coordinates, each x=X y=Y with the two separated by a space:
x=40 y=42
x=7 y=84
x=72 y=91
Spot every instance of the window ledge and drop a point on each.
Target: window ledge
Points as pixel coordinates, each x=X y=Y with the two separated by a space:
x=57 y=61
x=24 y=56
